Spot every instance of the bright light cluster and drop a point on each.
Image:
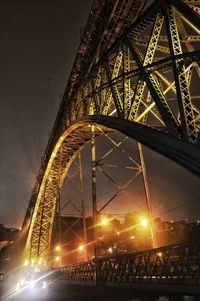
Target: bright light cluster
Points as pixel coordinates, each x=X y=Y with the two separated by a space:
x=58 y=248
x=81 y=248
x=34 y=262
x=144 y=222
x=104 y=221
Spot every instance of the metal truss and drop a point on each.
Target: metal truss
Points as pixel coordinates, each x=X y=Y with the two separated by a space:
x=148 y=77
x=64 y=211
x=149 y=63
x=40 y=231
x=103 y=167
x=41 y=227
x=172 y=264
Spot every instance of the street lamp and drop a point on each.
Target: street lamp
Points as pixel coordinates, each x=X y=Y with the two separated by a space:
x=57 y=258
x=104 y=221
x=58 y=248
x=144 y=222
x=110 y=250
x=81 y=248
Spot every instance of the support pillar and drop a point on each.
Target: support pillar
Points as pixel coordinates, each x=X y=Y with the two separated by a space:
x=94 y=201
x=83 y=207
x=147 y=195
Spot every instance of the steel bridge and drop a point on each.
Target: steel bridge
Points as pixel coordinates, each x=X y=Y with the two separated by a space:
x=137 y=72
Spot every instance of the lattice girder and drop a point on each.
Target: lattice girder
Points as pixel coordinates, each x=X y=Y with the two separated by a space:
x=181 y=82
x=67 y=148
x=134 y=79
x=125 y=76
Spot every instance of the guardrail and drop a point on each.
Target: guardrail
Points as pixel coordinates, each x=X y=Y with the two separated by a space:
x=172 y=263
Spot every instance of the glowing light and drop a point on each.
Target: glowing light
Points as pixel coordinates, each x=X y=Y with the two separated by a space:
x=39 y=262
x=32 y=284
x=118 y=233
x=132 y=237
x=144 y=222
x=110 y=250
x=81 y=248
x=17 y=287
x=58 y=248
x=26 y=263
x=159 y=254
x=44 y=285
x=104 y=221
x=57 y=258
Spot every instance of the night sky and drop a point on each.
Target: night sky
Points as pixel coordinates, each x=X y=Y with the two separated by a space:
x=38 y=44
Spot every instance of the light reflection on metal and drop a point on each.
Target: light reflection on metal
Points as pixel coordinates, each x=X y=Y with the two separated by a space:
x=135 y=80
x=144 y=222
x=83 y=207
x=94 y=198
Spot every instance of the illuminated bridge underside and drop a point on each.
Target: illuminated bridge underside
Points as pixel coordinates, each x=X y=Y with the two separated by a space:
x=146 y=86
x=66 y=149
x=150 y=75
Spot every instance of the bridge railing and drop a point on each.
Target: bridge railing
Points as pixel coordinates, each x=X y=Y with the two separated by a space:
x=172 y=263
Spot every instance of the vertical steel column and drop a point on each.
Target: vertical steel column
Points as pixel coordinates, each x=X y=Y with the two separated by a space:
x=83 y=207
x=41 y=224
x=94 y=201
x=58 y=198
x=59 y=218
x=147 y=195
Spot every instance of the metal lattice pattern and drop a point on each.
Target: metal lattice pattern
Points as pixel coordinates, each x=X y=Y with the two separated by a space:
x=148 y=76
x=137 y=78
x=39 y=237
x=171 y=263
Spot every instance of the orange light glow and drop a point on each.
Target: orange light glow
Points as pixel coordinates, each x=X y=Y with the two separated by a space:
x=81 y=248
x=26 y=263
x=104 y=221
x=110 y=250
x=58 y=248
x=144 y=222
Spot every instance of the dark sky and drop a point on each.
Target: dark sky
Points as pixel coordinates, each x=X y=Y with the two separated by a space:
x=38 y=43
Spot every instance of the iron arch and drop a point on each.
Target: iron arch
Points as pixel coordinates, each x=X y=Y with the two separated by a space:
x=66 y=149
